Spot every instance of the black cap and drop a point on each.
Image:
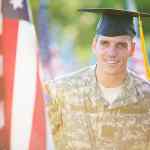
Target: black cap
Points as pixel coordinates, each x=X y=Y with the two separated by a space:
x=115 y=22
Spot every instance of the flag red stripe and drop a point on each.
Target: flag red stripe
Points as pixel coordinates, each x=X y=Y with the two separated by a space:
x=38 y=135
x=1 y=75
x=38 y=128
x=9 y=42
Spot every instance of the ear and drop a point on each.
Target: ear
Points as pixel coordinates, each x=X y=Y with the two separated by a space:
x=94 y=45
x=132 y=50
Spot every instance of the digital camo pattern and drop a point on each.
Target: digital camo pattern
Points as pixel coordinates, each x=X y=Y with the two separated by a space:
x=81 y=119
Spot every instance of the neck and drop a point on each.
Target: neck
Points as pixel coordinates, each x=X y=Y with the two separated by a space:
x=110 y=80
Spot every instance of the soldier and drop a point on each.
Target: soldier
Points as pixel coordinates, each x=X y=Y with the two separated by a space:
x=105 y=106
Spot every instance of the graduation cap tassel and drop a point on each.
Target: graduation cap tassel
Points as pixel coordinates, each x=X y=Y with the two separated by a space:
x=143 y=49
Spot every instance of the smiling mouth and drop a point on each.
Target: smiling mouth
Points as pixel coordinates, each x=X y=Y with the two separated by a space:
x=112 y=62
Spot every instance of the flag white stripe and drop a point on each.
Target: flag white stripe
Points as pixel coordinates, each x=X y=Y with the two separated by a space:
x=24 y=87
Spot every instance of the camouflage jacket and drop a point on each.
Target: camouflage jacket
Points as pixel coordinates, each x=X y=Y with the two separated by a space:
x=81 y=119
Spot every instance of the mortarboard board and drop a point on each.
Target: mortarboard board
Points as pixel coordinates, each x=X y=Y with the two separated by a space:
x=115 y=22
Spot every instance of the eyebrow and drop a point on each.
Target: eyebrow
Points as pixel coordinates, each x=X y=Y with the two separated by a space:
x=120 y=42
x=104 y=40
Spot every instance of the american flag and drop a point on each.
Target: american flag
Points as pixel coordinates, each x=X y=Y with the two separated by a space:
x=23 y=126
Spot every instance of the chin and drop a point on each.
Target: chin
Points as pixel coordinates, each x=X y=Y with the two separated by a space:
x=113 y=70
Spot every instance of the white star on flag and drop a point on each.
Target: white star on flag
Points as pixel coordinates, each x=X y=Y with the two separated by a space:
x=16 y=4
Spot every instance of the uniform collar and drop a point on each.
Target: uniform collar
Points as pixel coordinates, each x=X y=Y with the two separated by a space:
x=131 y=93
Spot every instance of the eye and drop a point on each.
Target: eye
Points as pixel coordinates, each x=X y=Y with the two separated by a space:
x=104 y=43
x=122 y=45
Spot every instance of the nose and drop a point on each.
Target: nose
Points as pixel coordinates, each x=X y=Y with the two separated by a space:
x=112 y=52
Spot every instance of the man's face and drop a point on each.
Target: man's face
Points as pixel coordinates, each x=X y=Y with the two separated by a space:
x=112 y=53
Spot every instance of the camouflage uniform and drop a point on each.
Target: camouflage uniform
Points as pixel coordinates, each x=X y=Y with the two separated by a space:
x=81 y=119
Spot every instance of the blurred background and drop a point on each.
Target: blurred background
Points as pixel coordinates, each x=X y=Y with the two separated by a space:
x=65 y=35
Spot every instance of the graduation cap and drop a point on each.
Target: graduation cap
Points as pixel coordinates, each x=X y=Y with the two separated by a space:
x=116 y=22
